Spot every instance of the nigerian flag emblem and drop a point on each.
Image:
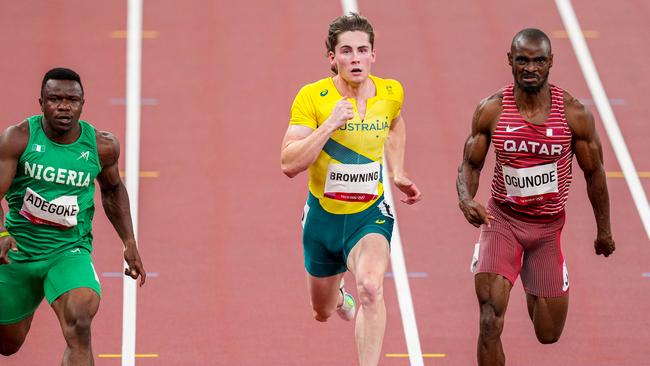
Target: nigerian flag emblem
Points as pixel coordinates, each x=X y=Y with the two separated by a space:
x=38 y=148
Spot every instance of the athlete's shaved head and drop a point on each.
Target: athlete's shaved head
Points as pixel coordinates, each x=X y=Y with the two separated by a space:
x=530 y=35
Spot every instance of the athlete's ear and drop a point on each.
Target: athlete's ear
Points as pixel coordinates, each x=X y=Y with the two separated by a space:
x=550 y=61
x=373 y=55
x=509 y=59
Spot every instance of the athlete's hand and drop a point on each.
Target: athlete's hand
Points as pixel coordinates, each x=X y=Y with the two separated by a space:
x=604 y=245
x=474 y=212
x=7 y=243
x=412 y=192
x=133 y=261
x=342 y=112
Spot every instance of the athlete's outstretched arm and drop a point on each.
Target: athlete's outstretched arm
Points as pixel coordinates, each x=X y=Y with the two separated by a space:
x=474 y=152
x=115 y=200
x=302 y=145
x=395 y=147
x=589 y=154
x=12 y=145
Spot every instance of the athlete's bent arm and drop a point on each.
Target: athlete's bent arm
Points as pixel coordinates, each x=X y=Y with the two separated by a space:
x=589 y=154
x=12 y=145
x=474 y=152
x=302 y=145
x=395 y=146
x=115 y=201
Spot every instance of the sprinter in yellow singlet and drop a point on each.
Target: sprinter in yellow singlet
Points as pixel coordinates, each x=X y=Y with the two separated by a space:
x=338 y=130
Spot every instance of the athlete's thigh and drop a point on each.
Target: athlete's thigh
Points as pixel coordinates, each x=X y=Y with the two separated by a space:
x=73 y=269
x=21 y=290
x=13 y=335
x=369 y=232
x=494 y=290
x=544 y=272
x=322 y=240
x=78 y=303
x=370 y=256
x=498 y=249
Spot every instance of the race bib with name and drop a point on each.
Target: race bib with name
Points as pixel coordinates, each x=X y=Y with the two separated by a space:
x=531 y=185
x=353 y=182
x=61 y=212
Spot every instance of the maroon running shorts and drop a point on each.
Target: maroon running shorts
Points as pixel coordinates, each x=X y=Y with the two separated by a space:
x=515 y=244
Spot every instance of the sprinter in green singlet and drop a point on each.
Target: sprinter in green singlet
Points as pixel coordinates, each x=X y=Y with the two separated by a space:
x=48 y=167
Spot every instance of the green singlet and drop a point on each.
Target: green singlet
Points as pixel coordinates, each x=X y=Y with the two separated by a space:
x=51 y=199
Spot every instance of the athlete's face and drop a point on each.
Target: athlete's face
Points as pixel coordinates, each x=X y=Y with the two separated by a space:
x=61 y=103
x=353 y=56
x=531 y=62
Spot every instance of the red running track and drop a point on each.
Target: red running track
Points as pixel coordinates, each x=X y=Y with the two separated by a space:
x=220 y=224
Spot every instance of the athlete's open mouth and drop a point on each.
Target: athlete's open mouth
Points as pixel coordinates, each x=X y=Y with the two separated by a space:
x=356 y=71
x=529 y=78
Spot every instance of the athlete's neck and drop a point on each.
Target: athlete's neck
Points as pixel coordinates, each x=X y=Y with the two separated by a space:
x=62 y=137
x=363 y=90
x=533 y=103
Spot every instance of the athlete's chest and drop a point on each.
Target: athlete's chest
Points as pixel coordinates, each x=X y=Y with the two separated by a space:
x=55 y=166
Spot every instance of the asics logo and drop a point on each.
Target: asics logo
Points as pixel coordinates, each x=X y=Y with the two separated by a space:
x=75 y=250
x=513 y=129
x=380 y=222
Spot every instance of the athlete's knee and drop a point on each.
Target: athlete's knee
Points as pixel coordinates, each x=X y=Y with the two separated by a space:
x=9 y=348
x=77 y=330
x=370 y=290
x=321 y=314
x=491 y=322
x=548 y=337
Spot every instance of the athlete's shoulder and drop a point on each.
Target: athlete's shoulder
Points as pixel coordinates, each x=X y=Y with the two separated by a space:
x=578 y=116
x=491 y=105
x=318 y=87
x=108 y=147
x=15 y=138
x=389 y=88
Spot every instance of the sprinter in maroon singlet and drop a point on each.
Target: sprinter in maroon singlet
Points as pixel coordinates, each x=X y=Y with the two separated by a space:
x=536 y=128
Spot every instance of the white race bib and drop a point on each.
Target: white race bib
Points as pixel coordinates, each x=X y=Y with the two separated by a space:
x=531 y=185
x=60 y=212
x=353 y=182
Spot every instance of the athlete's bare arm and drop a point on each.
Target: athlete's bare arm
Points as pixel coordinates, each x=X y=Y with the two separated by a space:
x=395 y=146
x=477 y=145
x=589 y=154
x=301 y=145
x=12 y=145
x=115 y=200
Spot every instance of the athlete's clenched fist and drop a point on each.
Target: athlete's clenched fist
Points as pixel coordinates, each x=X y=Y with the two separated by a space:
x=342 y=112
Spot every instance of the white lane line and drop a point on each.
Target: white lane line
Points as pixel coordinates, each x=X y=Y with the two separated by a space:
x=604 y=108
x=349 y=6
x=132 y=157
x=397 y=260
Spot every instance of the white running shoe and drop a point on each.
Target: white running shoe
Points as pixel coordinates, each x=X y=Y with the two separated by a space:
x=348 y=308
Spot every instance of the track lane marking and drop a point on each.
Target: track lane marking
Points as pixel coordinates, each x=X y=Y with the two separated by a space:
x=425 y=355
x=621 y=175
x=605 y=110
x=146 y=34
x=398 y=264
x=132 y=158
x=119 y=355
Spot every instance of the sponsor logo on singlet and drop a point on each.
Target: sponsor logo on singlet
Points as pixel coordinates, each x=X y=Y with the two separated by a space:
x=353 y=182
x=530 y=185
x=57 y=175
x=60 y=212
